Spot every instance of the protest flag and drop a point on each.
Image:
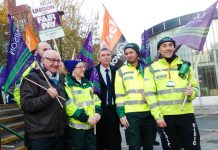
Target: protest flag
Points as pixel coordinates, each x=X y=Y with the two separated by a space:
x=19 y=58
x=145 y=54
x=113 y=39
x=94 y=78
x=86 y=53
x=194 y=33
x=31 y=40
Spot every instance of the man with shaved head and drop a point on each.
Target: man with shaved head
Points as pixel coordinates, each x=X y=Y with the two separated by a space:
x=43 y=116
x=42 y=47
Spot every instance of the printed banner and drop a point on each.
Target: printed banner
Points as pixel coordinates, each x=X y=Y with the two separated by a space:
x=47 y=22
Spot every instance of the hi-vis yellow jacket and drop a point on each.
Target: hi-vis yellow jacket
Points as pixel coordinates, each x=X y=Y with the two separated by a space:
x=82 y=103
x=19 y=81
x=162 y=98
x=129 y=89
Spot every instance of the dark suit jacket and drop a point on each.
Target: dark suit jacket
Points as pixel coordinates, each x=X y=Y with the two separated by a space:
x=103 y=85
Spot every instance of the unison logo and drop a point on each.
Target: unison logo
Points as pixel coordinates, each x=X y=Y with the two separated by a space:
x=45 y=8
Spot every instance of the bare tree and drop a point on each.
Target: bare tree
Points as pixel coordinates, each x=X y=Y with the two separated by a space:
x=76 y=27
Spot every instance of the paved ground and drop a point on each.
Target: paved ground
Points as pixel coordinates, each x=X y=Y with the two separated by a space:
x=207 y=120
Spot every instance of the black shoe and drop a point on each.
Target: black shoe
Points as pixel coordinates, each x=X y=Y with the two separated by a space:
x=156 y=143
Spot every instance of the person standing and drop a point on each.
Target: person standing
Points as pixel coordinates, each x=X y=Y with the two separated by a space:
x=40 y=50
x=82 y=108
x=166 y=85
x=44 y=118
x=132 y=107
x=108 y=128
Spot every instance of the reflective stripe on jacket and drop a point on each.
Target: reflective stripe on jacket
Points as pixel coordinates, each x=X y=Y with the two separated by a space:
x=129 y=89
x=163 y=98
x=81 y=97
x=19 y=81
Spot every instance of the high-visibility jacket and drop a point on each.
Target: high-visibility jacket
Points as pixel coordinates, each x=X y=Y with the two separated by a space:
x=19 y=81
x=129 y=90
x=165 y=89
x=81 y=100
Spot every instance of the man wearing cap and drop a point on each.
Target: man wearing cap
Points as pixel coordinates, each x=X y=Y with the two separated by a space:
x=166 y=85
x=132 y=108
x=108 y=129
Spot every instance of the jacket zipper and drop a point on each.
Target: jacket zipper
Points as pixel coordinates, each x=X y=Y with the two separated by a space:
x=169 y=71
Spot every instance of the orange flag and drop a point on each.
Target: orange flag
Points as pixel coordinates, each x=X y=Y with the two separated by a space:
x=113 y=39
x=31 y=40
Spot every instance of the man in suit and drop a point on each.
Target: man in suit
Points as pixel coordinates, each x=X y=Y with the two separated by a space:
x=108 y=129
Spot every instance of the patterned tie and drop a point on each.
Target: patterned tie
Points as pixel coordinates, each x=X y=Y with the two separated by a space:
x=109 y=87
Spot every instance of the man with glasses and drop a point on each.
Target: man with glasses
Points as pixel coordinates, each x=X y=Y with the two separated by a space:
x=40 y=50
x=44 y=118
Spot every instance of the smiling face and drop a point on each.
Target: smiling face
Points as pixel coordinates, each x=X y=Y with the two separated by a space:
x=51 y=61
x=78 y=72
x=166 y=49
x=131 y=55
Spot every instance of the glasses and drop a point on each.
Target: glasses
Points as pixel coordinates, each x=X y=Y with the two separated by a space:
x=53 y=60
x=80 y=67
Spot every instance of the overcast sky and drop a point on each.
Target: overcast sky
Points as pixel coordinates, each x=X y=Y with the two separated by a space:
x=133 y=16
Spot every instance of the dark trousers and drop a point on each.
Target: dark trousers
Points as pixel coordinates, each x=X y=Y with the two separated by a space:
x=78 y=139
x=108 y=130
x=181 y=131
x=51 y=143
x=141 y=132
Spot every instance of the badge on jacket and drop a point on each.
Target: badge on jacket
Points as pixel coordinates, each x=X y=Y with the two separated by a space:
x=171 y=84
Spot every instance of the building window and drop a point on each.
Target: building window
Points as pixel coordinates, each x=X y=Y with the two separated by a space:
x=208 y=80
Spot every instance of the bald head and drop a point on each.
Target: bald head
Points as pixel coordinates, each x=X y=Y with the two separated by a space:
x=42 y=47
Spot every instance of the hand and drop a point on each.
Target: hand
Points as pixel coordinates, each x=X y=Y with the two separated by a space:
x=52 y=92
x=188 y=91
x=161 y=123
x=97 y=117
x=124 y=122
x=91 y=121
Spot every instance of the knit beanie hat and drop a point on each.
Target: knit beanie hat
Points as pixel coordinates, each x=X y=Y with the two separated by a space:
x=133 y=46
x=70 y=65
x=164 y=40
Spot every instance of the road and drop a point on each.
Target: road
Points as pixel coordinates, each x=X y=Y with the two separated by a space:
x=208 y=127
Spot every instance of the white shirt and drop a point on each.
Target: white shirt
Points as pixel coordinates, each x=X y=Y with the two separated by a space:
x=103 y=74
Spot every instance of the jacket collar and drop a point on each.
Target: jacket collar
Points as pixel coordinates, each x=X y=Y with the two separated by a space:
x=71 y=81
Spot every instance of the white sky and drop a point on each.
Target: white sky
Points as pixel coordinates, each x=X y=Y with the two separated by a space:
x=133 y=16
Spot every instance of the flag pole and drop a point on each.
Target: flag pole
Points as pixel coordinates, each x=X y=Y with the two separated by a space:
x=94 y=115
x=41 y=86
x=73 y=56
x=48 y=82
x=196 y=65
x=56 y=46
